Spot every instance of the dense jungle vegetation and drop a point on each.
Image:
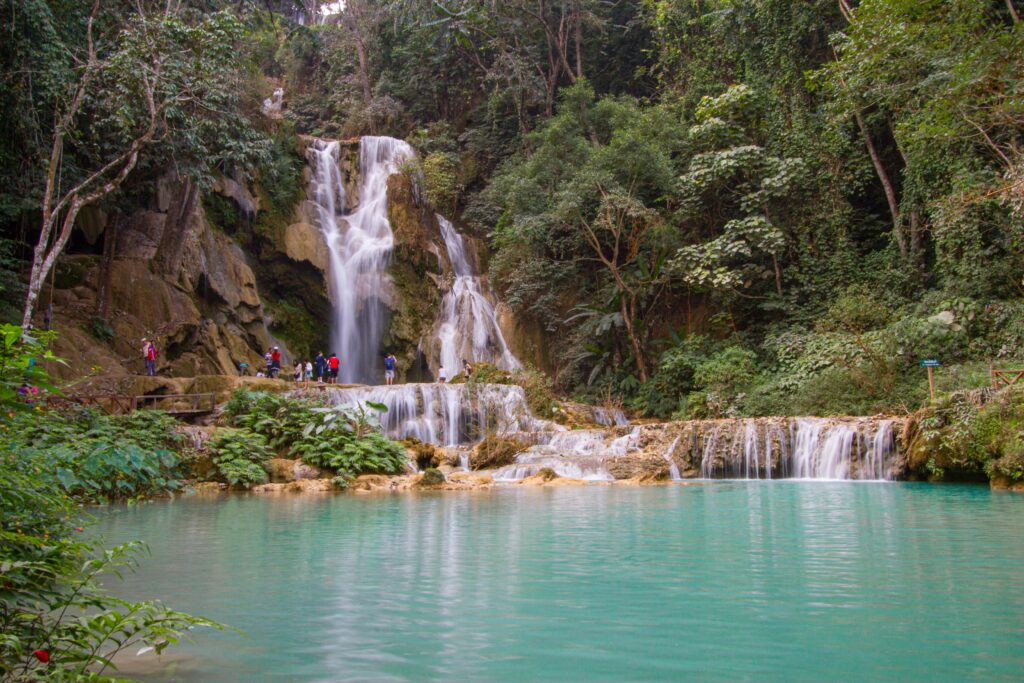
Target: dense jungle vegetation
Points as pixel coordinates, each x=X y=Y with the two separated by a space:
x=709 y=207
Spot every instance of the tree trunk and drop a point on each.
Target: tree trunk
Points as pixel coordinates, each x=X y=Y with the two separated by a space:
x=1013 y=11
x=364 y=67
x=890 y=191
x=106 y=267
x=627 y=311
x=579 y=42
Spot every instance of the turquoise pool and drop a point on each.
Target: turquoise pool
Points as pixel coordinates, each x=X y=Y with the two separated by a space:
x=780 y=580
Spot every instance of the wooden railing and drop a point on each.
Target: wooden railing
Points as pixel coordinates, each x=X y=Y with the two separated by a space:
x=114 y=404
x=1006 y=378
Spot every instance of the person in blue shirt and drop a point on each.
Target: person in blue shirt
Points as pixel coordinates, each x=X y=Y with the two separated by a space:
x=389 y=369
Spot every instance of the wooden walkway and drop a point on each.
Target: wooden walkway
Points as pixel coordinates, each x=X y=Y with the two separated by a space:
x=178 y=405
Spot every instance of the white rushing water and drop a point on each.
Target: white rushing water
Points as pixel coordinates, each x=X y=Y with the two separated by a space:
x=448 y=414
x=360 y=245
x=467 y=327
x=811 y=448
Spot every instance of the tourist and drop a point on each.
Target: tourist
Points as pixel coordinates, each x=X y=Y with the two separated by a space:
x=243 y=369
x=467 y=369
x=321 y=365
x=275 y=361
x=333 y=363
x=441 y=376
x=389 y=369
x=309 y=371
x=268 y=357
x=298 y=371
x=149 y=354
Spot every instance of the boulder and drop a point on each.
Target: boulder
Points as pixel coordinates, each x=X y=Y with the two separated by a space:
x=430 y=478
x=303 y=471
x=638 y=466
x=303 y=242
x=282 y=469
x=237 y=192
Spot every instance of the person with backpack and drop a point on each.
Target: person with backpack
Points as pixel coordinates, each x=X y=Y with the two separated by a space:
x=333 y=363
x=389 y=369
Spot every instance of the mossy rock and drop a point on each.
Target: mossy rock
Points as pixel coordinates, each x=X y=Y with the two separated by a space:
x=431 y=477
x=546 y=474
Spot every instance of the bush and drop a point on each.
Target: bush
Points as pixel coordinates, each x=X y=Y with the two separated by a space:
x=970 y=434
x=96 y=457
x=278 y=418
x=721 y=379
x=239 y=456
x=56 y=623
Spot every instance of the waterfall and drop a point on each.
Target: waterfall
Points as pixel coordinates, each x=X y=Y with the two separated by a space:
x=448 y=414
x=360 y=245
x=467 y=326
x=798 y=448
x=673 y=469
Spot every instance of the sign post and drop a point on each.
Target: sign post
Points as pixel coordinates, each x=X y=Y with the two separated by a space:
x=930 y=364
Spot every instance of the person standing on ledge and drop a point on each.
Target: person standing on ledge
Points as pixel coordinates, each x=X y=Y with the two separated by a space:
x=149 y=354
x=308 y=372
x=321 y=365
x=467 y=369
x=441 y=375
x=389 y=369
x=275 y=362
x=333 y=363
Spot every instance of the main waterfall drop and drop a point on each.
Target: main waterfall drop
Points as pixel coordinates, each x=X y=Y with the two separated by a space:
x=360 y=245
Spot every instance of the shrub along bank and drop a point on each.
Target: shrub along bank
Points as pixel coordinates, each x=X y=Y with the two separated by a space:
x=970 y=435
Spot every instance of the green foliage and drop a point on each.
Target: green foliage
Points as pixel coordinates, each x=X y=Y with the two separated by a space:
x=239 y=456
x=343 y=438
x=96 y=457
x=51 y=598
x=970 y=435
x=21 y=358
x=441 y=178
x=281 y=420
x=349 y=456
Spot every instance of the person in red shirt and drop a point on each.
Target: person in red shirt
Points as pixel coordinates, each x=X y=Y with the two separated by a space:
x=333 y=364
x=275 y=362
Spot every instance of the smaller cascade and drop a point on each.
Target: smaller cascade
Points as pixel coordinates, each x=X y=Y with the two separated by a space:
x=609 y=417
x=467 y=327
x=577 y=454
x=798 y=448
x=448 y=414
x=273 y=105
x=673 y=469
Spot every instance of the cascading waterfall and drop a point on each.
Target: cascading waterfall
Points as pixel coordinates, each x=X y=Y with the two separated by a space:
x=360 y=245
x=467 y=326
x=448 y=414
x=810 y=448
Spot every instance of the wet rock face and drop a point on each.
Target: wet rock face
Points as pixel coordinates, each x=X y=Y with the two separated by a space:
x=638 y=466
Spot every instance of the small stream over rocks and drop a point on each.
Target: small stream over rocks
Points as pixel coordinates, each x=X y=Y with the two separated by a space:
x=460 y=415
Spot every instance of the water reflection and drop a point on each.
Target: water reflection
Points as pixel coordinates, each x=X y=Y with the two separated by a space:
x=724 y=581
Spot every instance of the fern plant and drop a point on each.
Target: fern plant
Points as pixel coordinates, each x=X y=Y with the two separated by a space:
x=240 y=455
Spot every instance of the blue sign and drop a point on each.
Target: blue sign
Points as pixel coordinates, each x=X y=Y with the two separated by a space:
x=930 y=363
